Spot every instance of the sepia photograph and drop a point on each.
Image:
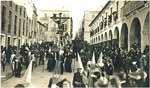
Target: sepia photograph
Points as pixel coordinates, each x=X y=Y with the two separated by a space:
x=75 y=44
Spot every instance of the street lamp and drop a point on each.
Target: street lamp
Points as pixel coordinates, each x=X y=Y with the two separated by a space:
x=59 y=20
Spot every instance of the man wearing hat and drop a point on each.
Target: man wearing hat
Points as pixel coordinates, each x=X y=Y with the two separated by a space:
x=78 y=79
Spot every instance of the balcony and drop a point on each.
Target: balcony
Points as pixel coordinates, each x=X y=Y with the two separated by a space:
x=109 y=19
x=105 y=22
x=131 y=6
x=115 y=15
x=101 y=25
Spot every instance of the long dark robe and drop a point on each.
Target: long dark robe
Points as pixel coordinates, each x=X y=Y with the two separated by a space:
x=78 y=78
x=8 y=55
x=68 y=63
x=51 y=62
x=41 y=61
x=109 y=69
x=61 y=59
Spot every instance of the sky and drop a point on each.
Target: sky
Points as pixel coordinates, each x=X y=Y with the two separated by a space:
x=76 y=6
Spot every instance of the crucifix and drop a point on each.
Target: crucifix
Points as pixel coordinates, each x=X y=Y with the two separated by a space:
x=59 y=20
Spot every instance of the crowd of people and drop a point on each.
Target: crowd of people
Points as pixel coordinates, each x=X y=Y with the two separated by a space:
x=117 y=68
x=58 y=59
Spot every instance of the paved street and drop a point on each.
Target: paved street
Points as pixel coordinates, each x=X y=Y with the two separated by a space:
x=40 y=79
x=108 y=38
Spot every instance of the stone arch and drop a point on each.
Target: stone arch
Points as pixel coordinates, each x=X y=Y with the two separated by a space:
x=124 y=36
x=110 y=38
x=106 y=36
x=146 y=31
x=102 y=37
x=110 y=35
x=99 y=38
x=93 y=40
x=135 y=33
x=116 y=37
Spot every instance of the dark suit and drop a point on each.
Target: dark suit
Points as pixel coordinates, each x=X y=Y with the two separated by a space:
x=18 y=67
x=78 y=78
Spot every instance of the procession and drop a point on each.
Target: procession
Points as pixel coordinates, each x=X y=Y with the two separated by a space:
x=75 y=44
x=102 y=67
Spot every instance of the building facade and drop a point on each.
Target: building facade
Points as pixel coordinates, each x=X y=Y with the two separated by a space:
x=34 y=30
x=122 y=24
x=14 y=18
x=87 y=18
x=16 y=24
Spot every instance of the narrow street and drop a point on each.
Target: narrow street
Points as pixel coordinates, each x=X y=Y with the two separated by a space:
x=75 y=44
x=40 y=78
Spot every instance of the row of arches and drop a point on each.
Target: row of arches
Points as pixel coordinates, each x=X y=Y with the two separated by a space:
x=103 y=37
x=128 y=36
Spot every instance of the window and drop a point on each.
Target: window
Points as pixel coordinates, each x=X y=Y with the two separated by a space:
x=98 y=29
x=3 y=18
x=10 y=3
x=19 y=27
x=16 y=8
x=27 y=26
x=9 y=24
x=111 y=10
x=20 y=10
x=24 y=12
x=15 y=25
x=23 y=27
x=95 y=31
x=106 y=20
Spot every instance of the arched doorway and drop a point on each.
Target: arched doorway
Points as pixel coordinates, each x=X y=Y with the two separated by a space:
x=99 y=38
x=124 y=36
x=135 y=33
x=146 y=32
x=96 y=39
x=105 y=36
x=110 y=38
x=116 y=38
x=102 y=37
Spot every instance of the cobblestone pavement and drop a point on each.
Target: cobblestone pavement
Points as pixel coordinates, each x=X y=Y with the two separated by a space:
x=40 y=79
